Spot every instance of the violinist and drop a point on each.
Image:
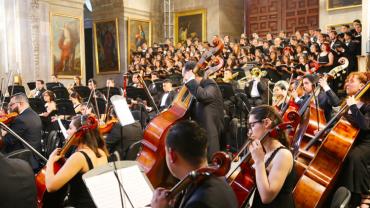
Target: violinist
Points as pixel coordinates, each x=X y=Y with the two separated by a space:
x=39 y=90
x=121 y=137
x=86 y=108
x=76 y=101
x=51 y=110
x=77 y=81
x=356 y=172
x=27 y=125
x=54 y=79
x=273 y=161
x=326 y=98
x=92 y=86
x=186 y=150
x=280 y=92
x=90 y=153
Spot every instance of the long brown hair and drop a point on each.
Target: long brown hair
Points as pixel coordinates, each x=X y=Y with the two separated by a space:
x=265 y=111
x=92 y=137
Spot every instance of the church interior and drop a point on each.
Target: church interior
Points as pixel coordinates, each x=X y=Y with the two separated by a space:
x=185 y=103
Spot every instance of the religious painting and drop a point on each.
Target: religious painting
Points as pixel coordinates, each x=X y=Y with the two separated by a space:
x=106 y=41
x=190 y=24
x=342 y=4
x=139 y=32
x=66 y=48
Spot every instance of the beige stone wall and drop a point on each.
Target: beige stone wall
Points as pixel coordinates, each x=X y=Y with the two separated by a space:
x=231 y=18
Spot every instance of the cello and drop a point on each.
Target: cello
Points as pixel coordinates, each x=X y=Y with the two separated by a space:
x=322 y=171
x=55 y=199
x=151 y=158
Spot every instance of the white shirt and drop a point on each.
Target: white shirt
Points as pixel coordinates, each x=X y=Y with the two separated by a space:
x=164 y=98
x=254 y=91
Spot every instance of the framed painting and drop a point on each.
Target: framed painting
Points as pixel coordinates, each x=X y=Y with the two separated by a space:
x=66 y=48
x=342 y=4
x=139 y=32
x=106 y=40
x=190 y=24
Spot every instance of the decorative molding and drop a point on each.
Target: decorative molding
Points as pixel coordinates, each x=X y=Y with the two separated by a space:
x=35 y=36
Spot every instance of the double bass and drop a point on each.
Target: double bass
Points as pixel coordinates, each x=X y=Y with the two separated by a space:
x=151 y=158
x=317 y=181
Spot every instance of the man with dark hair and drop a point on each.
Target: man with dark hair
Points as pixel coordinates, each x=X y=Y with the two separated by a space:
x=186 y=151
x=27 y=125
x=37 y=92
x=168 y=95
x=208 y=110
x=91 y=84
x=18 y=186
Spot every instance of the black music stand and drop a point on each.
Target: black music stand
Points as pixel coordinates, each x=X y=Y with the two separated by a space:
x=83 y=91
x=37 y=105
x=14 y=89
x=134 y=93
x=226 y=90
x=31 y=85
x=51 y=85
x=65 y=107
x=112 y=91
x=60 y=92
x=101 y=105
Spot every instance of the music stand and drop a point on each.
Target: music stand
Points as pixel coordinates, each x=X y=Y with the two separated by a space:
x=226 y=90
x=51 y=85
x=83 y=91
x=37 y=105
x=112 y=91
x=101 y=105
x=60 y=92
x=16 y=89
x=134 y=93
x=31 y=85
x=65 y=107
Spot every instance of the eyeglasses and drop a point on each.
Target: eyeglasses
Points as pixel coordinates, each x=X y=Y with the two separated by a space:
x=11 y=104
x=251 y=124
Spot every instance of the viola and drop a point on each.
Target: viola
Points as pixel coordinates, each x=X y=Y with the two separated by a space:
x=152 y=155
x=242 y=177
x=56 y=199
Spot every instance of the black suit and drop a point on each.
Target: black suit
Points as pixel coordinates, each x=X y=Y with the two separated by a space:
x=212 y=193
x=351 y=50
x=208 y=111
x=171 y=96
x=39 y=93
x=327 y=100
x=18 y=187
x=120 y=139
x=28 y=126
x=262 y=90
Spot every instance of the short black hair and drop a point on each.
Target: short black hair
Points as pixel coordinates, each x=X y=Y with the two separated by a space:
x=189 y=140
x=190 y=65
x=41 y=81
x=167 y=81
x=92 y=80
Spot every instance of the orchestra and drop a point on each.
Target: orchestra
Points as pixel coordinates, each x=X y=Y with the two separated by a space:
x=273 y=106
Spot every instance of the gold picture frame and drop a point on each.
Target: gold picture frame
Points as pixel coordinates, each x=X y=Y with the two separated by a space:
x=337 y=26
x=136 y=34
x=187 y=22
x=330 y=5
x=106 y=46
x=66 y=45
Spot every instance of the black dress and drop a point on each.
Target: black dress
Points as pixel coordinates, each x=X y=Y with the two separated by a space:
x=356 y=170
x=79 y=196
x=285 y=197
x=324 y=60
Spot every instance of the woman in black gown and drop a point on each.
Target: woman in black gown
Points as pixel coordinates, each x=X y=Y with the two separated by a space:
x=356 y=169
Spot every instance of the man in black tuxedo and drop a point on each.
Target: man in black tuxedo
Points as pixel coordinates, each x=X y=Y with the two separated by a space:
x=120 y=138
x=186 y=151
x=40 y=88
x=208 y=110
x=168 y=95
x=256 y=91
x=18 y=187
x=27 y=125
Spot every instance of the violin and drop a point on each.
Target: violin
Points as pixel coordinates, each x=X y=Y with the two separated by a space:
x=221 y=163
x=107 y=127
x=56 y=199
x=7 y=118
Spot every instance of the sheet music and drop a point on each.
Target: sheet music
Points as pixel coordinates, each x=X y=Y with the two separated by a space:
x=104 y=189
x=122 y=110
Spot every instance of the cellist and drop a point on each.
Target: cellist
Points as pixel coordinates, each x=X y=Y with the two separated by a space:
x=273 y=161
x=326 y=97
x=91 y=152
x=355 y=174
